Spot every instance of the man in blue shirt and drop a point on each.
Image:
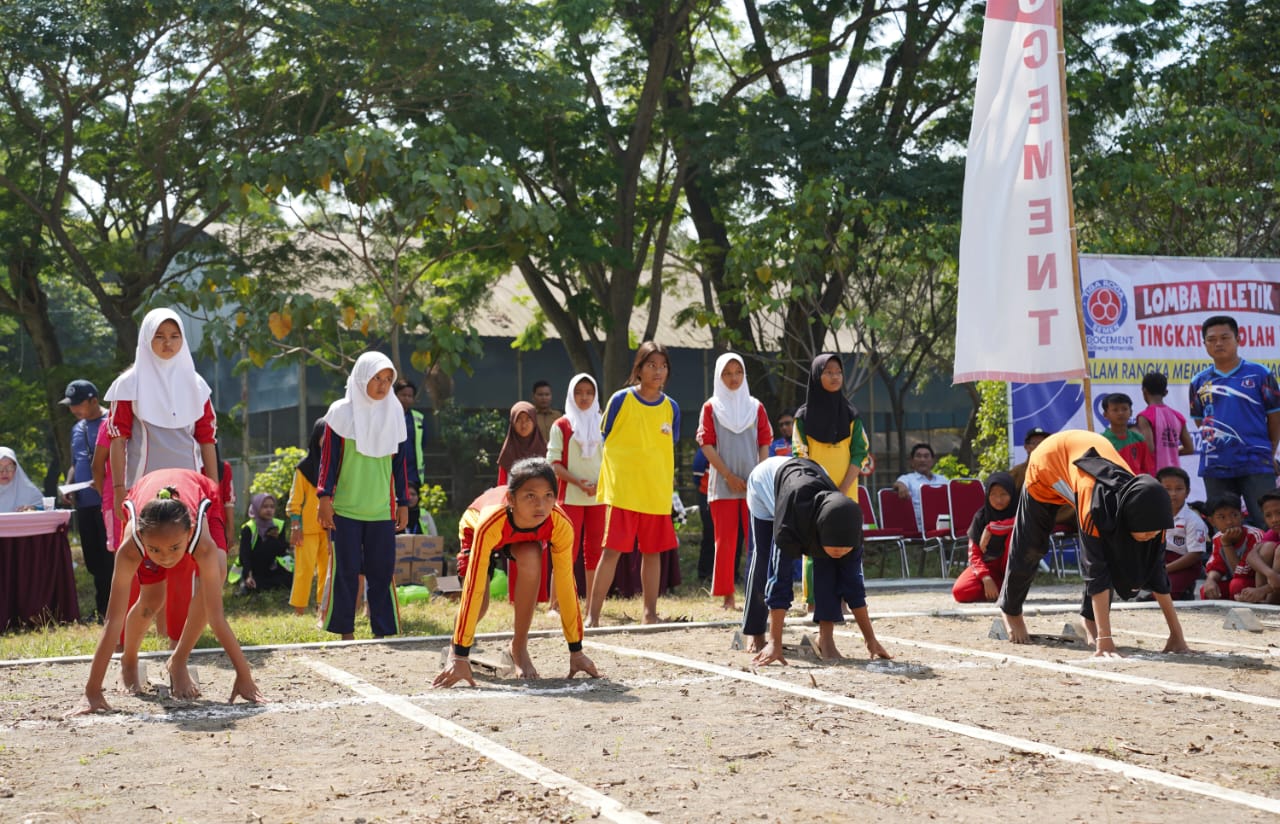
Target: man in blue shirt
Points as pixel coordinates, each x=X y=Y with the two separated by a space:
x=81 y=397
x=1236 y=404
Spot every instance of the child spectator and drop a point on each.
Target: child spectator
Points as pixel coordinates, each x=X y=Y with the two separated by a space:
x=262 y=545
x=734 y=434
x=1121 y=518
x=524 y=440
x=173 y=517
x=1266 y=559
x=520 y=526
x=828 y=429
x=637 y=478
x=1185 y=543
x=786 y=429
x=1229 y=572
x=363 y=469
x=813 y=517
x=1117 y=408
x=988 y=542
x=161 y=418
x=1163 y=428
x=310 y=542
x=574 y=454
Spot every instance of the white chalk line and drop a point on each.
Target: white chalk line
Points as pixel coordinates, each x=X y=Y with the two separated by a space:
x=1132 y=771
x=597 y=802
x=1085 y=672
x=1205 y=641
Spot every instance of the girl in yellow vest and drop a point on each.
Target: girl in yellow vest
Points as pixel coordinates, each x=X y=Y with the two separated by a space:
x=637 y=478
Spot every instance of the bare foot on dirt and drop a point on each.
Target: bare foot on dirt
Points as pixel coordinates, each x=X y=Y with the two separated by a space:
x=651 y=618
x=523 y=663
x=1088 y=631
x=756 y=645
x=827 y=649
x=299 y=610
x=729 y=605
x=129 y=677
x=181 y=685
x=1017 y=629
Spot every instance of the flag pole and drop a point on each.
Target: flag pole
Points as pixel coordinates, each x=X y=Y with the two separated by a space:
x=1087 y=380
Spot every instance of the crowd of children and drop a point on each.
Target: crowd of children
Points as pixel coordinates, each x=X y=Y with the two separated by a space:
x=597 y=486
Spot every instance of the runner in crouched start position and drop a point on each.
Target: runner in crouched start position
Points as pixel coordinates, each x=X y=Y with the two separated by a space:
x=174 y=520
x=521 y=525
x=1122 y=518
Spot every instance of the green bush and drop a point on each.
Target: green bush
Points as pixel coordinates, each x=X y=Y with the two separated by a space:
x=277 y=478
x=949 y=466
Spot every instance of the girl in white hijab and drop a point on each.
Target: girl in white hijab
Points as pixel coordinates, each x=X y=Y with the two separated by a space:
x=161 y=418
x=573 y=450
x=734 y=434
x=363 y=495
x=17 y=493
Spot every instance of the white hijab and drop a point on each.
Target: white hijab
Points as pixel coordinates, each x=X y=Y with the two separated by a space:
x=20 y=491
x=586 y=425
x=376 y=427
x=165 y=393
x=735 y=410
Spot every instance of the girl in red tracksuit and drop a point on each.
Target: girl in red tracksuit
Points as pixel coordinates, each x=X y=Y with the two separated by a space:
x=988 y=542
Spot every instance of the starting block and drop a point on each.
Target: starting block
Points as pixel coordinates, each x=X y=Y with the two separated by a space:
x=503 y=667
x=736 y=642
x=809 y=646
x=998 y=631
x=1242 y=618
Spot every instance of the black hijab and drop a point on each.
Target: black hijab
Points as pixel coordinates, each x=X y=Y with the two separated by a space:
x=988 y=513
x=1122 y=505
x=310 y=465
x=827 y=416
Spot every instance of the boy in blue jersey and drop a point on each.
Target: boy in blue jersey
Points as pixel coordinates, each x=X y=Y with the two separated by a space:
x=1236 y=404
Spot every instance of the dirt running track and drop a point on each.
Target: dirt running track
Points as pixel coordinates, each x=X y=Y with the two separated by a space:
x=959 y=727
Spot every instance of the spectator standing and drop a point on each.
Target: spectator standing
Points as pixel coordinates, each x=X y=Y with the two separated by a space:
x=1117 y=408
x=544 y=416
x=415 y=424
x=81 y=398
x=781 y=444
x=1236 y=404
x=524 y=439
x=310 y=541
x=575 y=453
x=734 y=434
x=1164 y=429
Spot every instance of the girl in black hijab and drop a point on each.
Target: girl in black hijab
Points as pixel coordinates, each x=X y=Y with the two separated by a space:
x=811 y=518
x=827 y=428
x=988 y=534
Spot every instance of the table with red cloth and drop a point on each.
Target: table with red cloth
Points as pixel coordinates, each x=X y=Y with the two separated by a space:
x=37 y=582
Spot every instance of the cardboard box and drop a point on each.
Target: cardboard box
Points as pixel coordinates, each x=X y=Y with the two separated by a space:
x=406 y=546
x=404 y=571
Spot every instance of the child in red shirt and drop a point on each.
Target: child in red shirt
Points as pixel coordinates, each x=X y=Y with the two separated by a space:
x=1231 y=549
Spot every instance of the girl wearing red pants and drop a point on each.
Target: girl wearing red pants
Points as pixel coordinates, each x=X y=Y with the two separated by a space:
x=988 y=542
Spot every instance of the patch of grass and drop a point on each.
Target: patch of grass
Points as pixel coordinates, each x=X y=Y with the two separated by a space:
x=266 y=618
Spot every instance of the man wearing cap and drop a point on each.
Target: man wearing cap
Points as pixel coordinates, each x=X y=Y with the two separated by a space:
x=1030 y=441
x=81 y=398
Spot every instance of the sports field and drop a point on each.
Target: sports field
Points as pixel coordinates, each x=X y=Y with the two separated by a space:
x=958 y=727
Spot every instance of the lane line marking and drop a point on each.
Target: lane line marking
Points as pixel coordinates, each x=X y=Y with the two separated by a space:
x=1133 y=771
x=1206 y=641
x=597 y=802
x=1085 y=672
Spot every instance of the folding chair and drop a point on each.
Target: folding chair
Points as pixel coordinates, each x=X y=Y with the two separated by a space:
x=873 y=536
x=899 y=515
x=935 y=502
x=967 y=496
x=1063 y=542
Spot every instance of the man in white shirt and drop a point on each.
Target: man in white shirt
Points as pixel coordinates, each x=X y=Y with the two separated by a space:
x=921 y=474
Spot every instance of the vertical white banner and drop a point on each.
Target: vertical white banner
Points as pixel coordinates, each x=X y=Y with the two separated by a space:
x=1016 y=318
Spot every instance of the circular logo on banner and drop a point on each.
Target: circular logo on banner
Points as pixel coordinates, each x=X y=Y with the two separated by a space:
x=1105 y=307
